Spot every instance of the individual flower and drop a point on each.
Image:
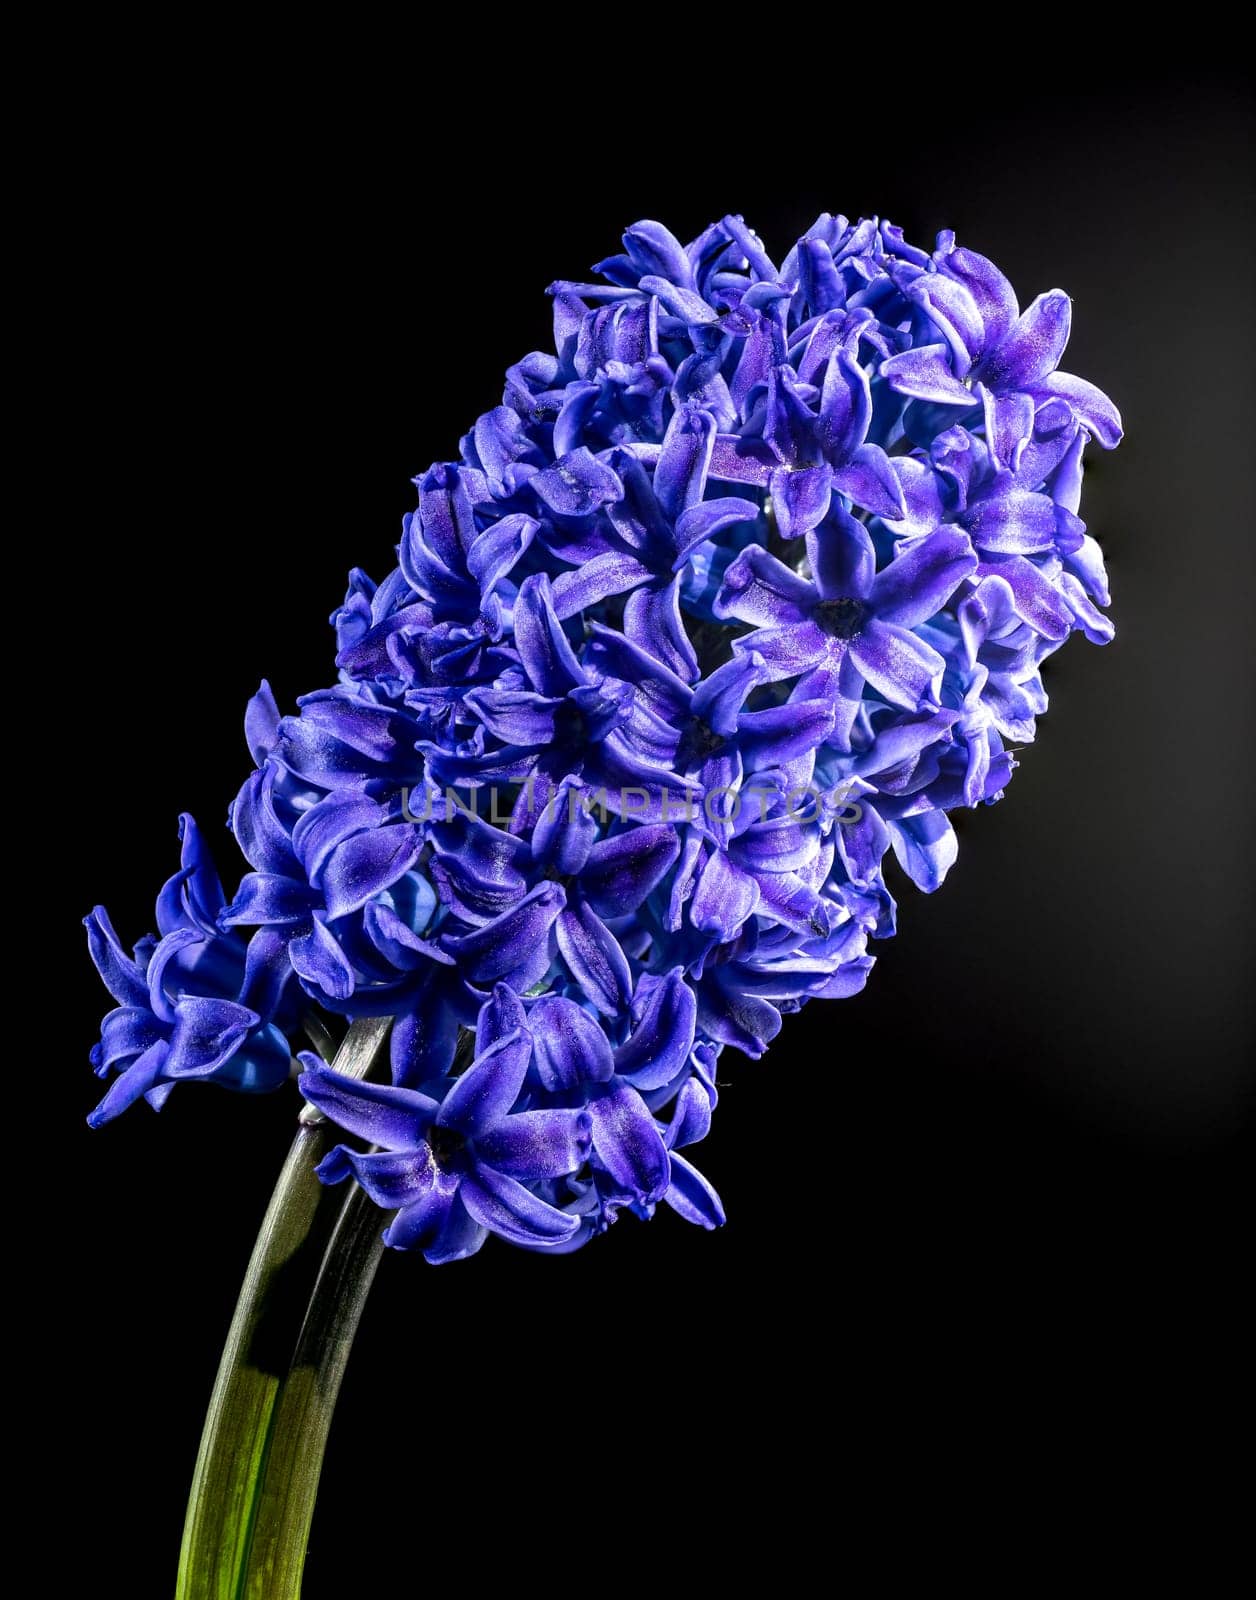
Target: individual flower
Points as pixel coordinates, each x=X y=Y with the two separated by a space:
x=849 y=625
x=194 y=1004
x=458 y=1167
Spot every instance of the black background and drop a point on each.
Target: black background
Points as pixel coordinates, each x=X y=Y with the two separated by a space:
x=1016 y=1156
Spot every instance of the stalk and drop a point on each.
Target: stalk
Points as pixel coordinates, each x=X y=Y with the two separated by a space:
x=263 y=1356
x=289 y=1484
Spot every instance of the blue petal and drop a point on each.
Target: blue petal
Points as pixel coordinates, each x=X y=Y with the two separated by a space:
x=537 y=1144
x=424 y=1222
x=546 y=655
x=123 y=978
x=392 y=1178
x=570 y=1047
x=317 y=957
x=489 y=1087
x=261 y=723
x=691 y=1196
x=917 y=584
x=206 y=1032
x=1033 y=345
x=1012 y=521
x=502 y=1014
x=367 y=864
x=926 y=848
x=628 y=1142
x=398 y=1119
x=594 y=958
x=724 y=898
x=267 y=898
x=125 y=1034
x=622 y=870
x=504 y=944
x=577 y=484
x=897 y=664
x=680 y=476
x=505 y=1207
x=662 y=1036
x=924 y=373
x=265 y=842
x=137 y=1081
x=760 y=589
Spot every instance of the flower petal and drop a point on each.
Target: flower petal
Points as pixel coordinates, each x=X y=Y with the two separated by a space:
x=506 y=1208
x=622 y=870
x=594 y=958
x=925 y=847
x=538 y=1144
x=424 y=1221
x=723 y=899
x=206 y=1033
x=392 y=1178
x=367 y=864
x=1033 y=346
x=1012 y=521
x=681 y=473
x=261 y=723
x=662 y=1038
x=1034 y=597
x=317 y=957
x=267 y=898
x=124 y=1034
x=547 y=657
x=800 y=498
x=652 y=619
x=488 y=1089
x=897 y=664
x=917 y=584
x=613 y=572
x=1090 y=406
x=994 y=296
x=628 y=1142
x=123 y=978
x=707 y=519
x=398 y=1119
x=924 y=373
x=130 y=1086
x=516 y=716
x=782 y=733
x=691 y=1196
x=504 y=944
x=870 y=481
x=741 y=1020
x=577 y=484
x=842 y=556
x=760 y=589
x=570 y=1047
x=262 y=837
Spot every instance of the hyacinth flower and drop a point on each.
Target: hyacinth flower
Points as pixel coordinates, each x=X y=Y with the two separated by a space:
x=745 y=584
x=457 y=1168
x=194 y=1005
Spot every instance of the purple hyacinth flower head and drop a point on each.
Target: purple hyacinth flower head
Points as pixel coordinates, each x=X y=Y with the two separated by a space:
x=745 y=583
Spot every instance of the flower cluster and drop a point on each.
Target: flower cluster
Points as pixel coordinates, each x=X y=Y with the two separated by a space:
x=746 y=583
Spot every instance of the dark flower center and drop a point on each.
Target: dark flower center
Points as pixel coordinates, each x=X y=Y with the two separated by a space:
x=698 y=740
x=570 y=724
x=565 y=879
x=841 y=618
x=446 y=1144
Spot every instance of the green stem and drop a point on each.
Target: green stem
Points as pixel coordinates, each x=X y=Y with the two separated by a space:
x=257 y=1363
x=299 y=1437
